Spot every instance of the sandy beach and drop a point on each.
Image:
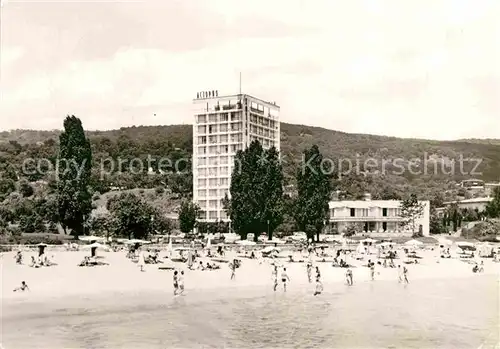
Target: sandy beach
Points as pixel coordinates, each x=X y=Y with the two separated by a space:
x=124 y=276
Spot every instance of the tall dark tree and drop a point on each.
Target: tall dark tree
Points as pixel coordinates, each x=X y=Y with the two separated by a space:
x=75 y=161
x=133 y=217
x=256 y=203
x=411 y=210
x=274 y=204
x=493 y=208
x=187 y=216
x=314 y=185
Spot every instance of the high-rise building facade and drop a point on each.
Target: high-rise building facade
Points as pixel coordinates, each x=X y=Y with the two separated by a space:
x=222 y=126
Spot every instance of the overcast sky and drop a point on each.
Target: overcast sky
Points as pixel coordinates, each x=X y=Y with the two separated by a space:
x=408 y=68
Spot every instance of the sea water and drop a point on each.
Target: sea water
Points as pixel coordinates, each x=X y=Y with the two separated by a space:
x=453 y=313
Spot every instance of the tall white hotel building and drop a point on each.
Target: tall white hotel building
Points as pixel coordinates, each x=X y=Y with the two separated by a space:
x=222 y=126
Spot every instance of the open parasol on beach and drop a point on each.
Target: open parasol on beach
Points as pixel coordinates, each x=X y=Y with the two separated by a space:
x=369 y=240
x=245 y=243
x=137 y=241
x=93 y=248
x=464 y=245
x=41 y=248
x=413 y=243
x=91 y=238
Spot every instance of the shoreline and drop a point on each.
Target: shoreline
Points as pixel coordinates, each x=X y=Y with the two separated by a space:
x=19 y=308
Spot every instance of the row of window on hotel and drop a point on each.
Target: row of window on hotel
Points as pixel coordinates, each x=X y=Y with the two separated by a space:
x=365 y=212
x=214 y=171
x=213 y=182
x=213 y=193
x=235 y=127
x=216 y=160
x=225 y=149
x=212 y=215
x=237 y=116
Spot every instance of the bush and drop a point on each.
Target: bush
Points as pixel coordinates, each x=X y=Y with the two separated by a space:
x=26 y=189
x=159 y=190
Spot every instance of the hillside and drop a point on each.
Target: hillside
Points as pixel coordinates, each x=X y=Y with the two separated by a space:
x=396 y=166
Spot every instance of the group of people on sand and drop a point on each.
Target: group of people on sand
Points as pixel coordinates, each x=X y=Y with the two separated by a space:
x=36 y=262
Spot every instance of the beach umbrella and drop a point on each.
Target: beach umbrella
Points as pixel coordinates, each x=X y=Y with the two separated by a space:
x=137 y=241
x=445 y=242
x=369 y=240
x=245 y=243
x=90 y=238
x=93 y=247
x=413 y=243
x=465 y=245
x=41 y=248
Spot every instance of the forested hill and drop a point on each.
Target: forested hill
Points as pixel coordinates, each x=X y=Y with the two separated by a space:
x=387 y=173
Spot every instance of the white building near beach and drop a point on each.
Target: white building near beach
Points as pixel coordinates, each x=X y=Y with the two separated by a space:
x=222 y=126
x=375 y=216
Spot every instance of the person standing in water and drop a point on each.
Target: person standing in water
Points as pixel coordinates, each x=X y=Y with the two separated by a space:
x=233 y=269
x=309 y=272
x=372 y=270
x=181 y=283
x=284 y=279
x=348 y=276
x=275 y=278
x=405 y=275
x=176 y=282
x=319 y=285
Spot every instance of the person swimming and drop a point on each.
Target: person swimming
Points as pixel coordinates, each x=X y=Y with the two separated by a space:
x=23 y=287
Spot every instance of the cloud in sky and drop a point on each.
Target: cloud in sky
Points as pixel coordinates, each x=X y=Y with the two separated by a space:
x=415 y=68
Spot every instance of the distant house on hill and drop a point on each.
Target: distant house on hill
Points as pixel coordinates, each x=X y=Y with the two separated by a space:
x=478 y=204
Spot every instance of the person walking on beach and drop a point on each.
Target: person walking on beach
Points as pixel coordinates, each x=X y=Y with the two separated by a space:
x=275 y=278
x=319 y=285
x=309 y=272
x=176 y=283
x=400 y=274
x=284 y=279
x=405 y=275
x=141 y=262
x=348 y=276
x=233 y=270
x=181 y=283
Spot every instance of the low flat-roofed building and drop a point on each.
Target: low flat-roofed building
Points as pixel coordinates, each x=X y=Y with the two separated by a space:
x=375 y=216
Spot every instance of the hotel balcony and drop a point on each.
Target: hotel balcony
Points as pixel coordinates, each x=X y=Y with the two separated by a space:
x=365 y=219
